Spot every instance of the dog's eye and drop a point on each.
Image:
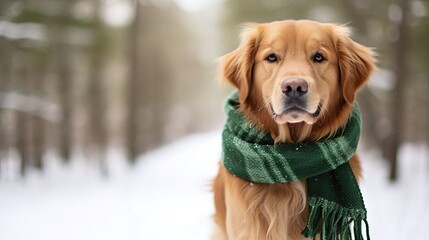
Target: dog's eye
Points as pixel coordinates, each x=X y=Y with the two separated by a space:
x=271 y=58
x=318 y=58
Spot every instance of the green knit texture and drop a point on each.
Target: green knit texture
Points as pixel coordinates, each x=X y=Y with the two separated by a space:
x=336 y=205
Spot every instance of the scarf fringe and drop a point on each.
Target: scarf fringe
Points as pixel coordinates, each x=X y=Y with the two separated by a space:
x=334 y=222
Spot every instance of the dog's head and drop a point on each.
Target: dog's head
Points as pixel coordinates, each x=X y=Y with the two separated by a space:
x=298 y=72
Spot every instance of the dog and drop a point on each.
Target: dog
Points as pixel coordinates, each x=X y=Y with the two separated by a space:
x=297 y=81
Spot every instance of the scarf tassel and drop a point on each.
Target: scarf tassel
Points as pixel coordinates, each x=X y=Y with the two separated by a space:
x=334 y=222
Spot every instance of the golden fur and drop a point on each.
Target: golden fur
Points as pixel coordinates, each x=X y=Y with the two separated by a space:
x=279 y=211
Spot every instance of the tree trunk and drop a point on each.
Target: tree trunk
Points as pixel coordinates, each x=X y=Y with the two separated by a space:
x=96 y=98
x=63 y=63
x=38 y=125
x=134 y=77
x=399 y=49
x=5 y=71
x=39 y=142
x=22 y=140
x=23 y=118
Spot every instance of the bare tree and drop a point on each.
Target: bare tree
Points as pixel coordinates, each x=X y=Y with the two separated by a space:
x=22 y=127
x=134 y=76
x=63 y=63
x=38 y=124
x=400 y=72
x=95 y=91
x=5 y=72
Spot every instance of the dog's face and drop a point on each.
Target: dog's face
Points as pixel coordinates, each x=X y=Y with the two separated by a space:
x=297 y=71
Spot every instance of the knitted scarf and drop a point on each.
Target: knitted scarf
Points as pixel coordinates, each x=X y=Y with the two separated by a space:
x=335 y=202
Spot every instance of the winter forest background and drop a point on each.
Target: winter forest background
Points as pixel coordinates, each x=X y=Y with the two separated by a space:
x=100 y=84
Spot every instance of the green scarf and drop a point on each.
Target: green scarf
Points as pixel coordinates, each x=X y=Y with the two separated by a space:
x=335 y=200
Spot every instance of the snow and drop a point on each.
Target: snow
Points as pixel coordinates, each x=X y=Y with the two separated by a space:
x=400 y=210
x=47 y=110
x=382 y=79
x=33 y=31
x=167 y=196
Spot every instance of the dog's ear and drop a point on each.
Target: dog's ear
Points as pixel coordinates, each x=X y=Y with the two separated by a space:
x=237 y=66
x=355 y=62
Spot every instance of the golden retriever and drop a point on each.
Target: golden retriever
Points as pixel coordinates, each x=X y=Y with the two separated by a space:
x=321 y=66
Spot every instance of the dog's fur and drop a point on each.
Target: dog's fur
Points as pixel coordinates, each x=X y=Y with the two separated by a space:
x=279 y=211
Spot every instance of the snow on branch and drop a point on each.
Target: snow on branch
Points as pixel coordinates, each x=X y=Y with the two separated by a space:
x=31 y=104
x=32 y=31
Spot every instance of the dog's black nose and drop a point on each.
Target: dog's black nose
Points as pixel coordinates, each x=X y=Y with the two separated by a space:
x=294 y=87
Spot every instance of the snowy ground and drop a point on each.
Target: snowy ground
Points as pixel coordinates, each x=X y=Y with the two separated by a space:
x=167 y=197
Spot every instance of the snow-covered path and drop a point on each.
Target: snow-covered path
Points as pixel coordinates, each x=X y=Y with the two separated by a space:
x=167 y=196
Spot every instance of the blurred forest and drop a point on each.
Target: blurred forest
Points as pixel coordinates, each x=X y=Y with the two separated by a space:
x=81 y=77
